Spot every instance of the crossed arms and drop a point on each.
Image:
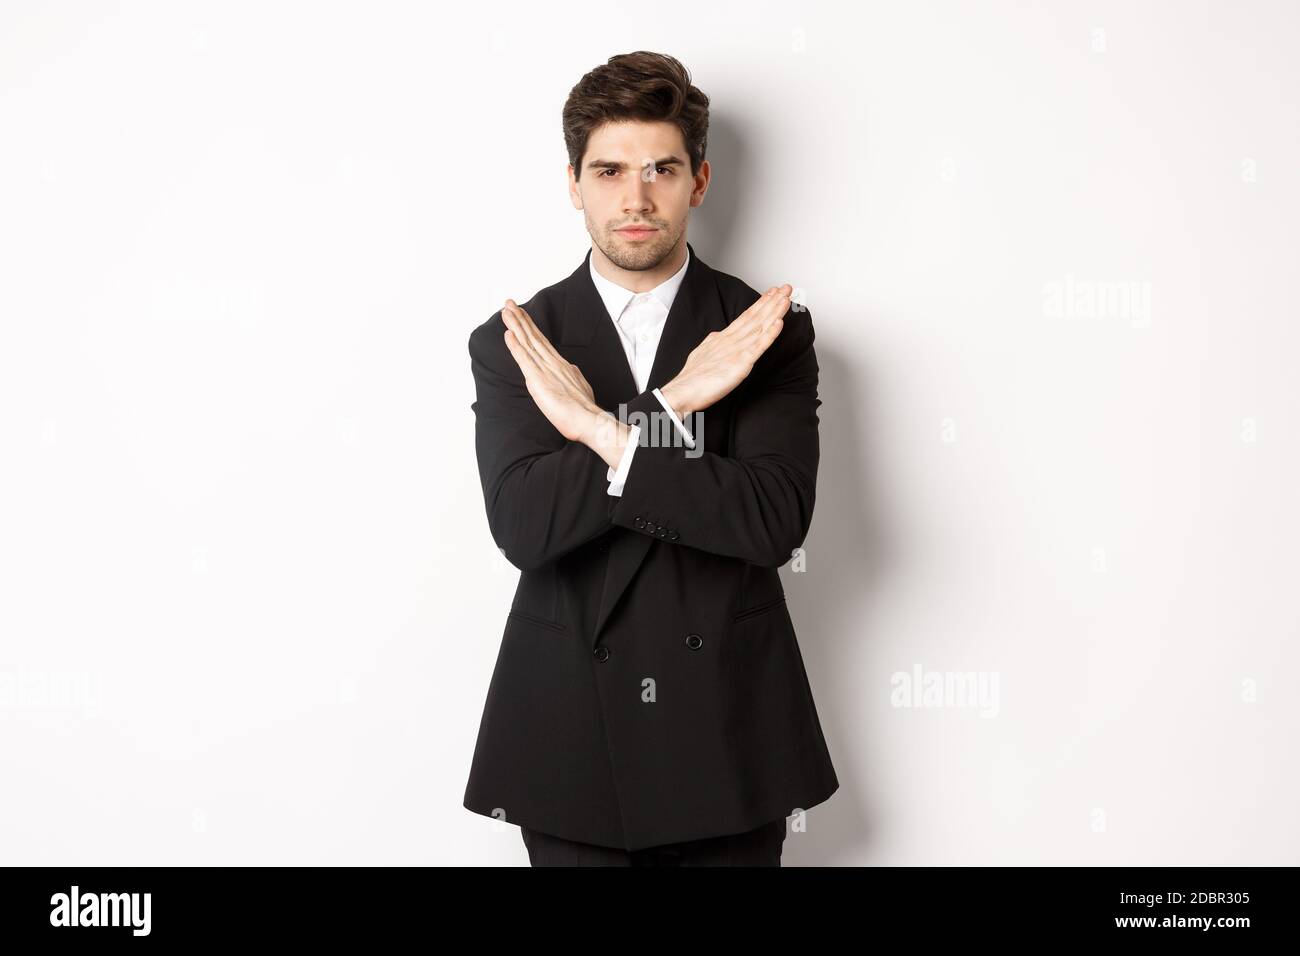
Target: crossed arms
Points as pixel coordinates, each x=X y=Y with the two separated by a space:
x=546 y=449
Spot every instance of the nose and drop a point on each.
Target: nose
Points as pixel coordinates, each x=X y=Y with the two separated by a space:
x=637 y=199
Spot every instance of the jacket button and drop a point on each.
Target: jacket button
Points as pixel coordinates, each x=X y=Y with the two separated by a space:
x=694 y=641
x=673 y=535
x=661 y=531
x=639 y=521
x=602 y=653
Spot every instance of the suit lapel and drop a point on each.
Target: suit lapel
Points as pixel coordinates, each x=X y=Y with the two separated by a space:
x=590 y=341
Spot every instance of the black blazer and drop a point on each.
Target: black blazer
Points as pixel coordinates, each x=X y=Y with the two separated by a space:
x=649 y=688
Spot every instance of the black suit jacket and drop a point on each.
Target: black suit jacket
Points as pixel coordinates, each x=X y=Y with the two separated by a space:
x=649 y=688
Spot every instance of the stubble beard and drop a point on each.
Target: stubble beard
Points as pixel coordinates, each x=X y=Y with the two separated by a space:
x=640 y=256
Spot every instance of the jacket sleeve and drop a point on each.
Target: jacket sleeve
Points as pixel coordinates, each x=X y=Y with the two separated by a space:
x=756 y=505
x=545 y=495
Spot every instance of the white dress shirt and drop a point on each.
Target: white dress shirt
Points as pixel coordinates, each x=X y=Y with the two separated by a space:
x=639 y=318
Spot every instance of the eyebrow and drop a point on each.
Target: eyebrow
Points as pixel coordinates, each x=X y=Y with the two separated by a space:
x=613 y=164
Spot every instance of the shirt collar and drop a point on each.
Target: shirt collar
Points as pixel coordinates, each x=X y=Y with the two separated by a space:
x=616 y=298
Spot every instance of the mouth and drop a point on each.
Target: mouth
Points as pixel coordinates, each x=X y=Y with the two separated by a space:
x=636 y=233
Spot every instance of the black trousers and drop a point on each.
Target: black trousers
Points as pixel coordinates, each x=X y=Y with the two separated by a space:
x=758 y=847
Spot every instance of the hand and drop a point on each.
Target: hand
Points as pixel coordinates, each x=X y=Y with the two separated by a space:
x=724 y=359
x=557 y=386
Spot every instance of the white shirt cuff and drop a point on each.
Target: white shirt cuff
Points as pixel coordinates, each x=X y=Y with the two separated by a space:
x=681 y=429
x=617 y=478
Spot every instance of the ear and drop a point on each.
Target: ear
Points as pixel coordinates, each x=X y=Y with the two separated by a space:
x=575 y=195
x=701 y=183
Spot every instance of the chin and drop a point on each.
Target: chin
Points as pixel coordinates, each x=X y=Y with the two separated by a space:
x=636 y=257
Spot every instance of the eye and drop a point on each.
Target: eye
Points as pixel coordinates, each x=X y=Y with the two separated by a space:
x=604 y=171
x=666 y=169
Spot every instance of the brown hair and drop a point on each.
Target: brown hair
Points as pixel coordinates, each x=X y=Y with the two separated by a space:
x=636 y=86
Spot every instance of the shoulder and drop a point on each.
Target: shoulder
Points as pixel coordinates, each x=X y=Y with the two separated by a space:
x=736 y=294
x=487 y=339
x=797 y=332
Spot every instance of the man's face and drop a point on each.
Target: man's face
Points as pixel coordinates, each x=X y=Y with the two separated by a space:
x=637 y=174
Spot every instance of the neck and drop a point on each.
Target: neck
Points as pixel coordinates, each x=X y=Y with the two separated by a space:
x=646 y=279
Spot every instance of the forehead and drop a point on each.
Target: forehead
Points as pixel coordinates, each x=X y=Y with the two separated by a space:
x=635 y=138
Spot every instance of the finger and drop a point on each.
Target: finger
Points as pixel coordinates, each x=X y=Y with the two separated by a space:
x=526 y=333
x=771 y=332
x=756 y=346
x=528 y=327
x=774 y=308
x=743 y=322
x=517 y=334
x=522 y=355
x=780 y=300
x=540 y=363
x=518 y=320
x=771 y=303
x=543 y=351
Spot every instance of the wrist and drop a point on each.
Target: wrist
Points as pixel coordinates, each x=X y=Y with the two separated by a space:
x=677 y=398
x=598 y=426
x=607 y=436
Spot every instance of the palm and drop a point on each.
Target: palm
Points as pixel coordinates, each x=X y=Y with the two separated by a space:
x=724 y=359
x=557 y=386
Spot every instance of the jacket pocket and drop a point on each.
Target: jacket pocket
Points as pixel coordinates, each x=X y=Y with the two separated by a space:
x=534 y=619
x=757 y=609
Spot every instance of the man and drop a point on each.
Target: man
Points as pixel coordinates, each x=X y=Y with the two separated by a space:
x=649 y=702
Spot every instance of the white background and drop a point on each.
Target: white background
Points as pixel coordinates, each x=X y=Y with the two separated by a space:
x=249 y=604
